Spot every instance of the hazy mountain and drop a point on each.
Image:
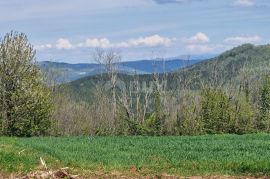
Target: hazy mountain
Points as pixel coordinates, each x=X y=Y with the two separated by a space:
x=69 y=72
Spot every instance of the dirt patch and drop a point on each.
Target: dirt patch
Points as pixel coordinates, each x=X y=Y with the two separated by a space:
x=41 y=174
x=58 y=174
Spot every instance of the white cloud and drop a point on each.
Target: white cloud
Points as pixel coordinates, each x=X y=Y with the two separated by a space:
x=199 y=48
x=198 y=43
x=198 y=38
x=94 y=43
x=246 y=3
x=243 y=39
x=151 y=41
x=63 y=44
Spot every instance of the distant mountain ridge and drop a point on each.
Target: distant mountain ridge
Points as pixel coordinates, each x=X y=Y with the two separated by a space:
x=70 y=72
x=243 y=65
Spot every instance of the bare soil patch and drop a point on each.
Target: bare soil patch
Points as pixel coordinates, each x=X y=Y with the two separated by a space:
x=58 y=174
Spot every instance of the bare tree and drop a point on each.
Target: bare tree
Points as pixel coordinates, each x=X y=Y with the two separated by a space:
x=109 y=59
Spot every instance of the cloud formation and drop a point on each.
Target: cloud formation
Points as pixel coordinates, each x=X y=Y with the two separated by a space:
x=198 y=38
x=243 y=39
x=94 y=43
x=64 y=44
x=199 y=43
x=149 y=41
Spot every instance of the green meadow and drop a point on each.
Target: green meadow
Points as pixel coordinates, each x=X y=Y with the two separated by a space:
x=174 y=155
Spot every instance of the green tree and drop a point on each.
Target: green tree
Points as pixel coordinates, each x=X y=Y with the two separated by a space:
x=25 y=103
x=160 y=116
x=216 y=111
x=188 y=121
x=244 y=115
x=264 y=122
x=155 y=122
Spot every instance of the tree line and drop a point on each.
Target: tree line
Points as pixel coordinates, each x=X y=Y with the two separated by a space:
x=218 y=106
x=33 y=104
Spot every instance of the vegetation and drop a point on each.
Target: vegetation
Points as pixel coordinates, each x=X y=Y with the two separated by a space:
x=246 y=63
x=184 y=156
x=229 y=94
x=24 y=100
x=265 y=105
x=226 y=94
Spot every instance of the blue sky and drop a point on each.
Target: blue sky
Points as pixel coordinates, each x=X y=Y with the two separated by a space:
x=69 y=30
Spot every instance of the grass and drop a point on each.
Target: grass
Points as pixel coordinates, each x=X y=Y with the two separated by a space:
x=185 y=156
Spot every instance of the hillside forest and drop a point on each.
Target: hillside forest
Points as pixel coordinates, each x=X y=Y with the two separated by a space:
x=226 y=94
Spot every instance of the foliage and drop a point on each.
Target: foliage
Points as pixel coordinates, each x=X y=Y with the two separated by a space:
x=188 y=120
x=198 y=99
x=216 y=111
x=219 y=95
x=226 y=68
x=244 y=121
x=265 y=105
x=25 y=104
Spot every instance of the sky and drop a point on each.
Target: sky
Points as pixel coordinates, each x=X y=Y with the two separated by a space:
x=70 y=30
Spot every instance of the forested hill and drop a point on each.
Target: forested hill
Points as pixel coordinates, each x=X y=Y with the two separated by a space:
x=243 y=63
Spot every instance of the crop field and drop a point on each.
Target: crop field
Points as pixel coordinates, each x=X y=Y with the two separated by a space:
x=182 y=156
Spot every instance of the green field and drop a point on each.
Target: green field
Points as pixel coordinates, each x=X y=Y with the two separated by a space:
x=185 y=156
